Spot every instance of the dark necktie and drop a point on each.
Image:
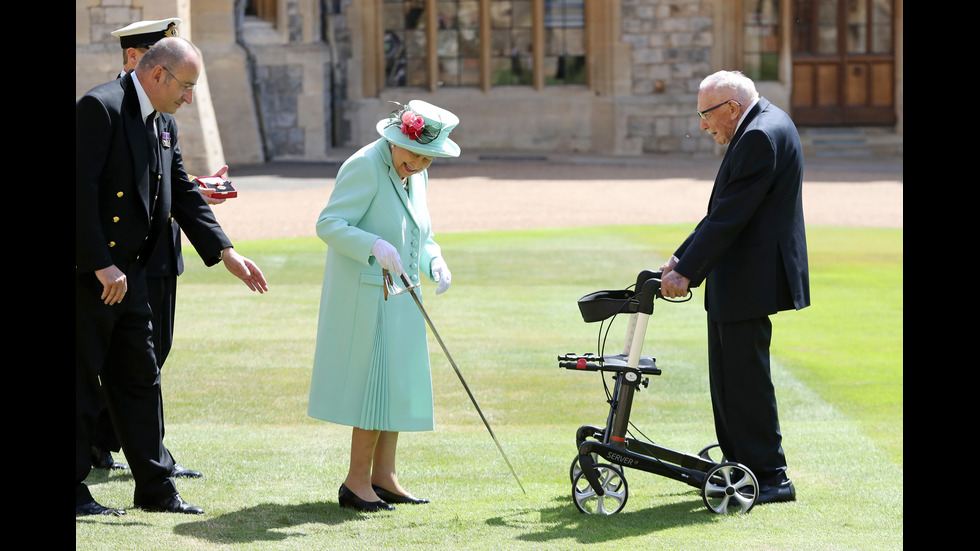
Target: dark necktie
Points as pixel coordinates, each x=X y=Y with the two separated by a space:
x=153 y=144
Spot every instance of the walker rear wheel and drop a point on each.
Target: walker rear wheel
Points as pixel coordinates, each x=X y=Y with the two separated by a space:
x=729 y=488
x=614 y=487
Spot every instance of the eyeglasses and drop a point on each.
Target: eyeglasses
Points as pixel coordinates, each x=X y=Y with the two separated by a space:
x=703 y=114
x=190 y=87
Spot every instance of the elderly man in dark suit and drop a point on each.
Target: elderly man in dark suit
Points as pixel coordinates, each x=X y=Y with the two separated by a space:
x=750 y=250
x=129 y=180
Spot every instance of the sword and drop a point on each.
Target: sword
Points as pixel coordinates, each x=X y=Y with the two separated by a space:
x=391 y=289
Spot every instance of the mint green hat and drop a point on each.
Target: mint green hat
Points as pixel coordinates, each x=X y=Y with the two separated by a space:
x=421 y=128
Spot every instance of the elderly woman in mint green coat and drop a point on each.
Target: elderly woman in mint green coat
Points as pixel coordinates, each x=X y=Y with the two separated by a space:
x=371 y=367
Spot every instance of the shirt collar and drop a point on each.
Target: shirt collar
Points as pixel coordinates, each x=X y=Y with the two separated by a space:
x=146 y=108
x=742 y=118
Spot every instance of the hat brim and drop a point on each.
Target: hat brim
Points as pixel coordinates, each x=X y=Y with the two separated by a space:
x=447 y=148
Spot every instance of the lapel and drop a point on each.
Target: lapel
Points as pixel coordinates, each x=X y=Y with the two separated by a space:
x=135 y=128
x=723 y=170
x=396 y=181
x=165 y=124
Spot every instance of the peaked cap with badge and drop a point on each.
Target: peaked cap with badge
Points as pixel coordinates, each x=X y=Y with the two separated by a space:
x=143 y=34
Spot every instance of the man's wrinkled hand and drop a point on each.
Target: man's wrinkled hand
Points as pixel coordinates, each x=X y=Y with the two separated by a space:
x=674 y=285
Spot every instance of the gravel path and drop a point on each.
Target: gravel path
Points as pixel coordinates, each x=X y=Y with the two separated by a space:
x=499 y=193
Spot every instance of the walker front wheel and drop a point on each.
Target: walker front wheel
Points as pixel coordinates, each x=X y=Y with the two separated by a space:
x=614 y=487
x=729 y=488
x=576 y=467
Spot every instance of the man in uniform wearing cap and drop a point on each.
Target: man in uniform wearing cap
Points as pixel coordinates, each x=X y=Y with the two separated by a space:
x=166 y=262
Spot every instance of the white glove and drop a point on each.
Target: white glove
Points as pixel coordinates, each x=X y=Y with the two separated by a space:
x=441 y=274
x=388 y=257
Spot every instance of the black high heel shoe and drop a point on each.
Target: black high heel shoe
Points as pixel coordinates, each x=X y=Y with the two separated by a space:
x=349 y=500
x=392 y=497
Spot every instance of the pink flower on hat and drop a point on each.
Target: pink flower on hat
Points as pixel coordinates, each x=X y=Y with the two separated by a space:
x=412 y=125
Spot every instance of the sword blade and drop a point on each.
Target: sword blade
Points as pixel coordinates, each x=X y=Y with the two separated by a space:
x=466 y=387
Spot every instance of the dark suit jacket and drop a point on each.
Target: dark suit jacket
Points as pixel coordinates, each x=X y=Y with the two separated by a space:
x=750 y=248
x=114 y=223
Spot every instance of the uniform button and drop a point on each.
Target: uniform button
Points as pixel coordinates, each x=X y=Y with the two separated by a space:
x=115 y=218
x=415 y=232
x=415 y=243
x=414 y=254
x=119 y=194
x=112 y=243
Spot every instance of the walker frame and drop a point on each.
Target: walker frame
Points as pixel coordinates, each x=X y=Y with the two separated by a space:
x=601 y=488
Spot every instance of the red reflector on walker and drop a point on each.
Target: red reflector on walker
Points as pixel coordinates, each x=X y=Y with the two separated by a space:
x=580 y=364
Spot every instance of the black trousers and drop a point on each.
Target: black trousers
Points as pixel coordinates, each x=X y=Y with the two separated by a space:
x=743 y=397
x=162 y=295
x=114 y=350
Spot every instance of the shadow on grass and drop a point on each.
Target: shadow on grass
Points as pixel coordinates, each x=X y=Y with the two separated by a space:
x=100 y=476
x=565 y=521
x=263 y=522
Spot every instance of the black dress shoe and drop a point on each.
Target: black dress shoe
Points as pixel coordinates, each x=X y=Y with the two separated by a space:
x=172 y=504
x=102 y=459
x=392 y=497
x=184 y=472
x=94 y=508
x=349 y=500
x=777 y=493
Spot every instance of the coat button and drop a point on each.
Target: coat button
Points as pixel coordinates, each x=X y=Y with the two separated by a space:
x=115 y=218
x=119 y=194
x=112 y=243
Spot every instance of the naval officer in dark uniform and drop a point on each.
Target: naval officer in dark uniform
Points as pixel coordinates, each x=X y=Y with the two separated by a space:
x=129 y=179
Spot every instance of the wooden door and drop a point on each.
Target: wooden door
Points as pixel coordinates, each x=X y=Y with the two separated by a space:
x=843 y=62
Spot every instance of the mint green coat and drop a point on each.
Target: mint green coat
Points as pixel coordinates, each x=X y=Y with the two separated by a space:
x=371 y=366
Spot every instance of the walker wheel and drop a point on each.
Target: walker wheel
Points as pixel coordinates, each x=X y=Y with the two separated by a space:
x=712 y=453
x=613 y=484
x=729 y=487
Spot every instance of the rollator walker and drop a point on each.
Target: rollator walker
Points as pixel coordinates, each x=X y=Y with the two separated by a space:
x=597 y=472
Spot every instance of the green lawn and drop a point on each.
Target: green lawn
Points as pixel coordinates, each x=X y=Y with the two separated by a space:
x=235 y=394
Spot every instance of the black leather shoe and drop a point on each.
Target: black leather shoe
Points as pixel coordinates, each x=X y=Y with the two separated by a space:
x=94 y=508
x=349 y=500
x=172 y=504
x=392 y=497
x=777 y=493
x=184 y=472
x=102 y=459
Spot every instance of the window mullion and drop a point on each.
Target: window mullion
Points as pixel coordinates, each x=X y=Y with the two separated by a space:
x=537 y=40
x=485 y=45
x=431 y=44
